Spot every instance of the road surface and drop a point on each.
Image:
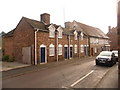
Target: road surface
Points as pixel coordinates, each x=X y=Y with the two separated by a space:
x=77 y=74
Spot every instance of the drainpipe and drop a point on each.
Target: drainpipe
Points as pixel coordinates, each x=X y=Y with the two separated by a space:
x=79 y=46
x=36 y=46
x=56 y=36
x=69 y=47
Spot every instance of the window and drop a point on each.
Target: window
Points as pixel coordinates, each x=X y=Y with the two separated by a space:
x=60 y=30
x=82 y=48
x=59 y=49
x=51 y=50
x=95 y=50
x=75 y=35
x=75 y=49
x=81 y=35
x=51 y=31
x=60 y=34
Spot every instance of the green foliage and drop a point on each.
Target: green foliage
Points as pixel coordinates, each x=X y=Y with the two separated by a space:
x=11 y=59
x=8 y=58
x=5 y=57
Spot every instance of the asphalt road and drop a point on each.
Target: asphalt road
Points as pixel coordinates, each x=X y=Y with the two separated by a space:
x=78 y=74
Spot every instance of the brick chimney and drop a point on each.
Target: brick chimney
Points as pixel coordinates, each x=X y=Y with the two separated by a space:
x=109 y=28
x=45 y=18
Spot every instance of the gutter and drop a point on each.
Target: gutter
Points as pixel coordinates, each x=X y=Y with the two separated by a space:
x=35 y=62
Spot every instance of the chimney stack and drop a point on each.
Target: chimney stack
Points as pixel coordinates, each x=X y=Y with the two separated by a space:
x=109 y=28
x=45 y=18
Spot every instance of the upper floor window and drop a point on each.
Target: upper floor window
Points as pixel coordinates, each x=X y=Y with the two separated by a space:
x=51 y=50
x=75 y=35
x=81 y=36
x=60 y=30
x=51 y=31
x=59 y=49
x=75 y=49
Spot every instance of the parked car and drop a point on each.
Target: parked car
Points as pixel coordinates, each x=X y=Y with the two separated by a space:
x=116 y=54
x=106 y=57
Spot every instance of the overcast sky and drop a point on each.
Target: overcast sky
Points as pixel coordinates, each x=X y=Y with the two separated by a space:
x=97 y=13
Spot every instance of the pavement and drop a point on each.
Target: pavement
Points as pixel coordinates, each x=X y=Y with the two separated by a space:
x=5 y=66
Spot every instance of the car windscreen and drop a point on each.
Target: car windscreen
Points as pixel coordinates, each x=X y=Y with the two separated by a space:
x=105 y=54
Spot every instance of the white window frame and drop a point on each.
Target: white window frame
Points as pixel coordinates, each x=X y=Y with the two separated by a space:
x=51 y=50
x=59 y=49
x=95 y=50
x=81 y=48
x=75 y=48
x=75 y=35
x=60 y=30
x=51 y=31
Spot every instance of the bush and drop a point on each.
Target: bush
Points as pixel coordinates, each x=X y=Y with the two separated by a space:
x=11 y=59
x=5 y=57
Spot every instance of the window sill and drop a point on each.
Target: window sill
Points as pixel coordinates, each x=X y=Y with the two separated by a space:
x=51 y=55
x=59 y=54
x=51 y=37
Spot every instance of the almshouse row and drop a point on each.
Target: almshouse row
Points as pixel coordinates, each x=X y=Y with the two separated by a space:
x=35 y=42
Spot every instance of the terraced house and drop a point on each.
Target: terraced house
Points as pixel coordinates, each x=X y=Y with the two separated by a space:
x=35 y=42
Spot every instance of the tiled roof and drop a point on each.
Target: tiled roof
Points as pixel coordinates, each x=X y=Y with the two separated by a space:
x=35 y=24
x=92 y=31
x=10 y=33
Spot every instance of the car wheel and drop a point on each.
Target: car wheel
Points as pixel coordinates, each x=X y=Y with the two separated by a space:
x=111 y=64
x=115 y=62
x=97 y=63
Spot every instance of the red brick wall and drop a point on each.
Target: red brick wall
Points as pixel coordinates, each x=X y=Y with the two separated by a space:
x=43 y=38
x=23 y=37
x=8 y=45
x=83 y=42
x=62 y=41
x=112 y=34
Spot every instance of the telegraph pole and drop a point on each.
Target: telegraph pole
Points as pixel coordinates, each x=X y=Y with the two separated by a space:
x=118 y=30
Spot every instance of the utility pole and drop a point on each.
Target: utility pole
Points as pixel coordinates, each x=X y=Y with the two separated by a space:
x=118 y=29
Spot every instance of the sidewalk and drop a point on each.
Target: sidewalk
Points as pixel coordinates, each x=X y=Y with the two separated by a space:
x=111 y=77
x=15 y=71
x=5 y=66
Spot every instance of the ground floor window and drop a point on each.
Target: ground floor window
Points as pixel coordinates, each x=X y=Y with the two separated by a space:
x=51 y=50
x=81 y=48
x=95 y=50
x=59 y=49
x=75 y=49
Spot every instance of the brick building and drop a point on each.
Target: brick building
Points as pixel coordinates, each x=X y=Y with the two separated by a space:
x=35 y=42
x=112 y=34
x=96 y=40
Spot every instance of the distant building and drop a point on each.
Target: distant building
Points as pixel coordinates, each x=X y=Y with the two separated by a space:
x=112 y=34
x=35 y=42
x=97 y=41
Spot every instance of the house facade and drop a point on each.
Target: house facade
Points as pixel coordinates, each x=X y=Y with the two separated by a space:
x=35 y=42
x=96 y=40
x=112 y=34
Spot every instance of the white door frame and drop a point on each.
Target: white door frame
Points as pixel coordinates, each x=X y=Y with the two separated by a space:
x=41 y=46
x=72 y=51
